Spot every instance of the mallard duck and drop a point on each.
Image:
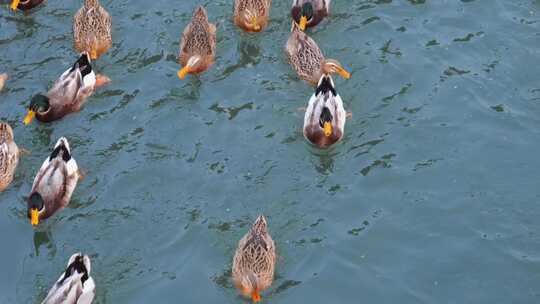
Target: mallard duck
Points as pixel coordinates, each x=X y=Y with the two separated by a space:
x=3 y=78
x=54 y=183
x=75 y=285
x=307 y=59
x=324 y=122
x=68 y=94
x=9 y=155
x=25 y=5
x=198 y=45
x=252 y=15
x=308 y=13
x=92 y=29
x=254 y=261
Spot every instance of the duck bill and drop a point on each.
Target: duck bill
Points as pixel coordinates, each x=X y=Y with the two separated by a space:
x=343 y=73
x=15 y=4
x=29 y=117
x=255 y=24
x=255 y=297
x=34 y=217
x=93 y=54
x=303 y=23
x=327 y=128
x=183 y=72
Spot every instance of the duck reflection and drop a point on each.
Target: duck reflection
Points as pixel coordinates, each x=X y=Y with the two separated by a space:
x=44 y=239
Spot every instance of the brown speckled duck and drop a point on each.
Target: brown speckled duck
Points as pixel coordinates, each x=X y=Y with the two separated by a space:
x=25 y=5
x=9 y=156
x=3 y=78
x=92 y=29
x=198 y=45
x=252 y=15
x=68 y=94
x=324 y=122
x=254 y=261
x=54 y=183
x=307 y=59
x=309 y=13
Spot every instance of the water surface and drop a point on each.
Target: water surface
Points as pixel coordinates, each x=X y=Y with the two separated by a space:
x=432 y=197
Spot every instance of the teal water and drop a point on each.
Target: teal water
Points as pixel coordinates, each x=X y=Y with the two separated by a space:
x=432 y=197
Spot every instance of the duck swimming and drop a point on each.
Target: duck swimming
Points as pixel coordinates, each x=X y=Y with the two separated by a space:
x=252 y=15
x=254 y=261
x=54 y=183
x=309 y=13
x=68 y=94
x=9 y=155
x=324 y=121
x=75 y=285
x=92 y=29
x=307 y=59
x=198 y=45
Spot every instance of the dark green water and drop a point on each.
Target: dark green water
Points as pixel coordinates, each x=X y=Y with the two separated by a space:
x=432 y=197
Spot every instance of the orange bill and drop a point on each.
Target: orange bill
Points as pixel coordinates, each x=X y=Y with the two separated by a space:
x=15 y=4
x=255 y=24
x=183 y=72
x=327 y=129
x=343 y=73
x=29 y=117
x=256 y=297
x=34 y=217
x=303 y=23
x=93 y=54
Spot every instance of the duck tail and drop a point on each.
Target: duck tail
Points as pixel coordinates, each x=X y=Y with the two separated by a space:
x=61 y=146
x=326 y=85
x=83 y=65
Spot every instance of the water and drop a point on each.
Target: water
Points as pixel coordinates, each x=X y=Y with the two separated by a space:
x=432 y=197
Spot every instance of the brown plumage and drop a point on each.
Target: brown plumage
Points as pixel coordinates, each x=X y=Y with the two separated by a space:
x=9 y=156
x=252 y=15
x=254 y=261
x=198 y=45
x=307 y=59
x=3 y=78
x=92 y=29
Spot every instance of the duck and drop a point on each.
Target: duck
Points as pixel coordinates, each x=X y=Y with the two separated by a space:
x=75 y=285
x=92 y=29
x=307 y=59
x=54 y=183
x=198 y=45
x=252 y=15
x=3 y=79
x=254 y=261
x=324 y=121
x=9 y=155
x=68 y=94
x=25 y=5
x=309 y=13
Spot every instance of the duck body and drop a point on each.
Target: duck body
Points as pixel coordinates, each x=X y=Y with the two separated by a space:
x=254 y=261
x=92 y=29
x=54 y=183
x=307 y=59
x=252 y=15
x=324 y=121
x=3 y=78
x=75 y=285
x=67 y=95
x=198 y=44
x=9 y=156
x=313 y=10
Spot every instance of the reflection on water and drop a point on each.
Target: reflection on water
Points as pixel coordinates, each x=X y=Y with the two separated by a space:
x=44 y=238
